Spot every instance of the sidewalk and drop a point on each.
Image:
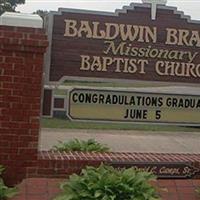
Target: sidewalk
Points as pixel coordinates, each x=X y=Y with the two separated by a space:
x=47 y=189
x=128 y=141
x=124 y=141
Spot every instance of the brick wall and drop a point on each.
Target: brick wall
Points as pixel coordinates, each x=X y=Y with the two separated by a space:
x=21 y=70
x=60 y=165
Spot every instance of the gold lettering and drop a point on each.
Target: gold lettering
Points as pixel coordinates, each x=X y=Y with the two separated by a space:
x=107 y=61
x=141 y=33
x=96 y=64
x=111 y=29
x=151 y=36
x=171 y=36
x=114 y=49
x=192 y=56
x=171 y=171
x=169 y=68
x=142 y=63
x=159 y=66
x=85 y=28
x=165 y=68
x=98 y=34
x=191 y=68
x=180 y=70
x=133 y=67
x=131 y=32
x=85 y=64
x=183 y=37
x=70 y=28
x=173 y=55
x=187 y=170
x=198 y=70
x=195 y=38
x=118 y=63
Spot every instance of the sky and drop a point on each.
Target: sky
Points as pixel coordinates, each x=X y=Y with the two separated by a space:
x=189 y=7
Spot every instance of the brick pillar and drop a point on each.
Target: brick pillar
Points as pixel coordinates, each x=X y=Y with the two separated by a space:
x=21 y=71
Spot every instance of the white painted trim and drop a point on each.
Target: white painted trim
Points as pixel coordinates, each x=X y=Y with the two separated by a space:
x=111 y=80
x=47 y=56
x=154 y=6
x=60 y=97
x=21 y=20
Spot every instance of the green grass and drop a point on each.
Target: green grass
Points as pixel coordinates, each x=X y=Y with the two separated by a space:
x=66 y=124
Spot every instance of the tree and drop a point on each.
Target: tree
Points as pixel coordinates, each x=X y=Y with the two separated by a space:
x=9 y=5
x=41 y=13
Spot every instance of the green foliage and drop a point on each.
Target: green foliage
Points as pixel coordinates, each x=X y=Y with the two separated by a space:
x=41 y=13
x=9 y=5
x=90 y=145
x=198 y=191
x=67 y=124
x=107 y=183
x=5 y=192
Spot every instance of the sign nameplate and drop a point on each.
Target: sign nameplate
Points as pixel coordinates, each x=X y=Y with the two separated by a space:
x=129 y=106
x=161 y=170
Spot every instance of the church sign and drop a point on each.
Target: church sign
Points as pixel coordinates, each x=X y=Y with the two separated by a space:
x=138 y=42
x=133 y=106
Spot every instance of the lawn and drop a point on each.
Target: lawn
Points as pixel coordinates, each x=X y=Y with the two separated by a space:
x=66 y=124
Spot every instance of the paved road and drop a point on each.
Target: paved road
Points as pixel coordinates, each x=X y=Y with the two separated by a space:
x=128 y=141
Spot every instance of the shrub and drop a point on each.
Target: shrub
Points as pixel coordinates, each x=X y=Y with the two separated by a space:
x=80 y=145
x=5 y=192
x=198 y=191
x=107 y=183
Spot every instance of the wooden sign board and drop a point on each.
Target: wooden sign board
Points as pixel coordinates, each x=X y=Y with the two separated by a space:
x=129 y=106
x=125 y=45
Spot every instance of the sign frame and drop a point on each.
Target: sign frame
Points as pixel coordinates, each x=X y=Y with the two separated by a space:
x=126 y=122
x=49 y=27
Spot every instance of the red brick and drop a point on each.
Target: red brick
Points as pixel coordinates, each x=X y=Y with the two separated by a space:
x=4 y=40
x=11 y=98
x=12 y=34
x=164 y=183
x=14 y=60
x=10 y=124
x=183 y=183
x=5 y=118
x=186 y=190
x=20 y=99
x=21 y=106
x=5 y=92
x=187 y=197
x=4 y=104
x=5 y=79
x=38 y=36
x=1 y=59
x=6 y=65
x=9 y=85
x=196 y=182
